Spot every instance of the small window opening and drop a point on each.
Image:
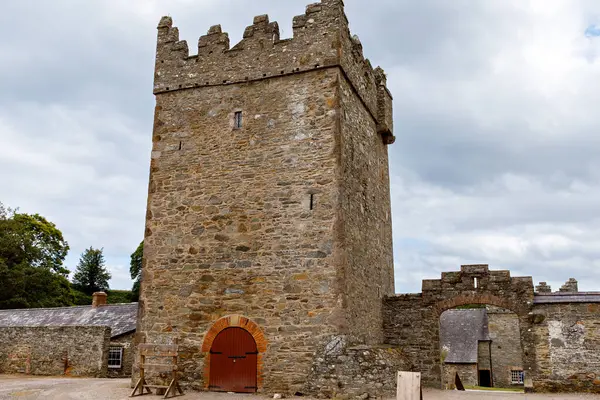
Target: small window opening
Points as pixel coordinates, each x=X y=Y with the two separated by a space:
x=237 y=120
x=115 y=357
x=180 y=144
x=475 y=283
x=312 y=201
x=517 y=377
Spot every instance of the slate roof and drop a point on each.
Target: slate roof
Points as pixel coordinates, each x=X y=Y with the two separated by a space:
x=460 y=331
x=566 y=297
x=121 y=318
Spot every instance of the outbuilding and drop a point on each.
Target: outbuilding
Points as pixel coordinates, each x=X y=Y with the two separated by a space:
x=94 y=340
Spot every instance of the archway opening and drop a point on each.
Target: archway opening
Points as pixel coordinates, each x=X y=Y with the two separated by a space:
x=481 y=344
x=233 y=361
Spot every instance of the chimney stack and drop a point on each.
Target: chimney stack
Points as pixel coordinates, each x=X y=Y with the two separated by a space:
x=98 y=299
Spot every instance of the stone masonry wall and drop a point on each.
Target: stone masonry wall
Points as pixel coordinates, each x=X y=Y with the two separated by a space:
x=66 y=350
x=503 y=327
x=363 y=371
x=484 y=361
x=262 y=221
x=466 y=372
x=366 y=218
x=321 y=39
x=229 y=224
x=412 y=321
x=568 y=343
x=126 y=343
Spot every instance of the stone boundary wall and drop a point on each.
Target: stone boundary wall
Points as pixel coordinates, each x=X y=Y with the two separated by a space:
x=559 y=332
x=64 y=350
x=341 y=370
x=412 y=321
x=568 y=347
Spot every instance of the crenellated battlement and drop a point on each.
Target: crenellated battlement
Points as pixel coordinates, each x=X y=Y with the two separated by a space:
x=321 y=39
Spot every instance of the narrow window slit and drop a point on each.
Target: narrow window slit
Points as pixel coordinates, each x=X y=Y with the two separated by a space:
x=475 y=283
x=237 y=120
x=312 y=201
x=180 y=144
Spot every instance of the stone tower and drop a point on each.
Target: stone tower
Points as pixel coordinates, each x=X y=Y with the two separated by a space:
x=269 y=203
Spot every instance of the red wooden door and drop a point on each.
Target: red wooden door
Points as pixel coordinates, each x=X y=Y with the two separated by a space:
x=233 y=360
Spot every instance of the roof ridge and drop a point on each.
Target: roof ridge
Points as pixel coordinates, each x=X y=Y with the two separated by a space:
x=65 y=307
x=42 y=308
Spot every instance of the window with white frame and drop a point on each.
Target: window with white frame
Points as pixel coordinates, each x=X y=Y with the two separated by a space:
x=516 y=377
x=115 y=357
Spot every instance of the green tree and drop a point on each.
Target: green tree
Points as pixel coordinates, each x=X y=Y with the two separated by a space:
x=91 y=274
x=119 y=296
x=32 y=252
x=135 y=269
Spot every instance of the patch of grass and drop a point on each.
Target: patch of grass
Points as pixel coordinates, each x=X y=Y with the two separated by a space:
x=496 y=389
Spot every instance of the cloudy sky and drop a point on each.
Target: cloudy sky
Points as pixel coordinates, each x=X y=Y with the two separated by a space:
x=496 y=117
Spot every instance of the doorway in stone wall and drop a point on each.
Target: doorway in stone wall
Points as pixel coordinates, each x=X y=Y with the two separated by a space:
x=482 y=344
x=233 y=362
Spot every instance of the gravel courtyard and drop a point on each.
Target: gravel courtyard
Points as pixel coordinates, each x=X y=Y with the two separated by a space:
x=29 y=388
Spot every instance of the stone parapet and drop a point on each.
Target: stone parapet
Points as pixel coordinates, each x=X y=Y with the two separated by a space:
x=321 y=39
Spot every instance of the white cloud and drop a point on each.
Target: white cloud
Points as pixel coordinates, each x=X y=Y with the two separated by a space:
x=495 y=115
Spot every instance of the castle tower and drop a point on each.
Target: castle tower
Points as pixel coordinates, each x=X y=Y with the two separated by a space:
x=268 y=223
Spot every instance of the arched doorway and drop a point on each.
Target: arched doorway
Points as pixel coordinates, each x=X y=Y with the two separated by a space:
x=233 y=361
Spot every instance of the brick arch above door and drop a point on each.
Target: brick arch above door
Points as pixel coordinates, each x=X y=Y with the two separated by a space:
x=235 y=321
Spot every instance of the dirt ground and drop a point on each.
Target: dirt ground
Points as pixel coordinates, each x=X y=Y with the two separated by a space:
x=30 y=388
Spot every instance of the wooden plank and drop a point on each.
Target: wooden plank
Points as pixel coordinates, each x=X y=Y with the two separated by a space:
x=159 y=367
x=158 y=350
x=140 y=386
x=156 y=386
x=169 y=390
x=409 y=386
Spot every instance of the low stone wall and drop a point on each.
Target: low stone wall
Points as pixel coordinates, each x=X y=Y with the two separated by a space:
x=568 y=347
x=341 y=370
x=65 y=350
x=466 y=372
